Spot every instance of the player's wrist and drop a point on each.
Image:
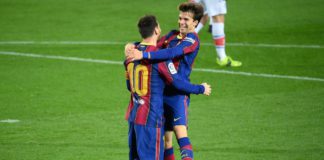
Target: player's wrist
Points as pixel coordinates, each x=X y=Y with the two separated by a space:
x=202 y=89
x=146 y=55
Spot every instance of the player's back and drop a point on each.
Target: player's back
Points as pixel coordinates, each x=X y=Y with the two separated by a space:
x=147 y=91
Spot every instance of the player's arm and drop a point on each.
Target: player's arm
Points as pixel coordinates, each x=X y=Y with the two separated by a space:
x=126 y=62
x=187 y=46
x=127 y=82
x=168 y=71
x=130 y=48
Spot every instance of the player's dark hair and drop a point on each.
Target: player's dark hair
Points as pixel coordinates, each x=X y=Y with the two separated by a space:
x=195 y=8
x=146 y=25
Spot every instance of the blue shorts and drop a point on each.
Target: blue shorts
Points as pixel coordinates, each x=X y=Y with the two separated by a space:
x=145 y=143
x=176 y=111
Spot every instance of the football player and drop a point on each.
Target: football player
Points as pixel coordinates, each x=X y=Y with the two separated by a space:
x=146 y=79
x=182 y=46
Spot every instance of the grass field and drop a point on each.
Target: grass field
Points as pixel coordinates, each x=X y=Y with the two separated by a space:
x=73 y=108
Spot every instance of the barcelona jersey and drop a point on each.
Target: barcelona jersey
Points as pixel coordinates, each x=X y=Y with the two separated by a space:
x=181 y=49
x=146 y=80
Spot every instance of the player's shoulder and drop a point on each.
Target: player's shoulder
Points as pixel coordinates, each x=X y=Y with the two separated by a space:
x=140 y=46
x=173 y=32
x=127 y=61
x=192 y=35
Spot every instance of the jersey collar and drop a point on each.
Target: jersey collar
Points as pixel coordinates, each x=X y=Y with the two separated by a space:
x=147 y=44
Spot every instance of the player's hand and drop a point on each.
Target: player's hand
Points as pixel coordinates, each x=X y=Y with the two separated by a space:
x=207 y=89
x=134 y=54
x=128 y=48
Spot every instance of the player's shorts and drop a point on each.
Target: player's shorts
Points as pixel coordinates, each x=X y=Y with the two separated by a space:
x=215 y=7
x=203 y=4
x=145 y=143
x=175 y=111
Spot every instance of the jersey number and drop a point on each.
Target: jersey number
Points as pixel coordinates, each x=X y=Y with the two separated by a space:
x=138 y=78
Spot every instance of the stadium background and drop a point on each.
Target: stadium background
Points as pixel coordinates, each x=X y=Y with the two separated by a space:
x=73 y=108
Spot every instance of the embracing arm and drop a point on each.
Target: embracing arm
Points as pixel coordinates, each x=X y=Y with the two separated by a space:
x=187 y=46
x=168 y=71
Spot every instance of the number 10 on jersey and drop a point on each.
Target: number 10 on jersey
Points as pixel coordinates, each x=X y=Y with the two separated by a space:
x=138 y=78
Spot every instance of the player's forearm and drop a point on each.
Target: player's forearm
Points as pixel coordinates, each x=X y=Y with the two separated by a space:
x=128 y=85
x=188 y=87
x=164 y=54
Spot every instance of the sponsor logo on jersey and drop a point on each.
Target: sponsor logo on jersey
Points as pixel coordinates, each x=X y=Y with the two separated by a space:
x=172 y=68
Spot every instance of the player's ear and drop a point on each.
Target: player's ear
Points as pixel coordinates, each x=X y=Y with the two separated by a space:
x=157 y=30
x=196 y=23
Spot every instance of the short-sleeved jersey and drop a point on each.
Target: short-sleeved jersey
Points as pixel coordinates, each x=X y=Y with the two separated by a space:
x=147 y=80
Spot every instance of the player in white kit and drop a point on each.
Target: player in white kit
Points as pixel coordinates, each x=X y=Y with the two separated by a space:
x=216 y=10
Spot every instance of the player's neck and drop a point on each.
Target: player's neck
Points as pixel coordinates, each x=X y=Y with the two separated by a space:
x=150 y=41
x=185 y=34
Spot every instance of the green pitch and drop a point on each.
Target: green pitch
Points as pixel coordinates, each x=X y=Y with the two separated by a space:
x=73 y=108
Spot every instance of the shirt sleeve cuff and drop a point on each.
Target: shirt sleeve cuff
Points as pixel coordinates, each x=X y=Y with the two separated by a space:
x=202 y=89
x=146 y=55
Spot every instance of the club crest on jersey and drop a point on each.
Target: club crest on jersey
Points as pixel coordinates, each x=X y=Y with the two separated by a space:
x=172 y=68
x=188 y=39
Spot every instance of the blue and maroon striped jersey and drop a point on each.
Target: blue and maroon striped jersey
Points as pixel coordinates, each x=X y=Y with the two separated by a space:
x=146 y=81
x=182 y=51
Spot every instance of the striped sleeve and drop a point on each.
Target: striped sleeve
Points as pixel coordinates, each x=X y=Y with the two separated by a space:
x=169 y=73
x=188 y=45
